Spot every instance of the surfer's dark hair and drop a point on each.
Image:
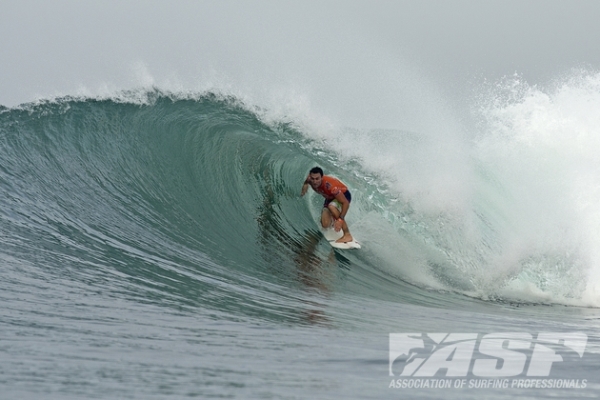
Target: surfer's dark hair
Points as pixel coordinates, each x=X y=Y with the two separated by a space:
x=316 y=170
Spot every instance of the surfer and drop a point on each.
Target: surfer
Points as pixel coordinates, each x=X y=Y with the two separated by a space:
x=337 y=201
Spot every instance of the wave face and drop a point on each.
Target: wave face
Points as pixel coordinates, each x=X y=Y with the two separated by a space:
x=195 y=202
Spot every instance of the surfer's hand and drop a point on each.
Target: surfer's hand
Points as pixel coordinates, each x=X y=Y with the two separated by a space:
x=337 y=225
x=304 y=189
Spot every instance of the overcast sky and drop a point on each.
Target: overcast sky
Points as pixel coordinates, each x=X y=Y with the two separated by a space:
x=351 y=48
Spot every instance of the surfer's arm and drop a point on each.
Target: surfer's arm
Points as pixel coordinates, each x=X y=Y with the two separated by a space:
x=304 y=187
x=344 y=202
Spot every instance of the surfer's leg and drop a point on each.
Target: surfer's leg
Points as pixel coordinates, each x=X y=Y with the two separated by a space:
x=347 y=236
x=332 y=207
x=326 y=219
x=335 y=212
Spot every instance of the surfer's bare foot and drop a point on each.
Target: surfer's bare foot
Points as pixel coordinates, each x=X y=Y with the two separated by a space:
x=345 y=239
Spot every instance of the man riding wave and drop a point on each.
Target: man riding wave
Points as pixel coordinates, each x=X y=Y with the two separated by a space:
x=337 y=201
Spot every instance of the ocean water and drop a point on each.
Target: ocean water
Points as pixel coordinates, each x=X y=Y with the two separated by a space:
x=154 y=245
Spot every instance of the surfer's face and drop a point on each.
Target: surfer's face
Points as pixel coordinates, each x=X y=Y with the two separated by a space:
x=315 y=180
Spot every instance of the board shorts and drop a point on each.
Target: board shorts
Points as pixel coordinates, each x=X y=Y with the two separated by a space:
x=336 y=203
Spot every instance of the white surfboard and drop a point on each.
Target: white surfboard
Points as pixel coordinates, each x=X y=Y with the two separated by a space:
x=331 y=235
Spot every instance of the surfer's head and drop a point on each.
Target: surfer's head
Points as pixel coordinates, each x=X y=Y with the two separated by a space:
x=315 y=177
x=317 y=170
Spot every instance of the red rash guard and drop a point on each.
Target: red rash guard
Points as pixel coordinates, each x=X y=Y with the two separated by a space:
x=330 y=187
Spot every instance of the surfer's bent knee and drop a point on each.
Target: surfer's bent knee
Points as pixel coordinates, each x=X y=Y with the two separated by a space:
x=334 y=203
